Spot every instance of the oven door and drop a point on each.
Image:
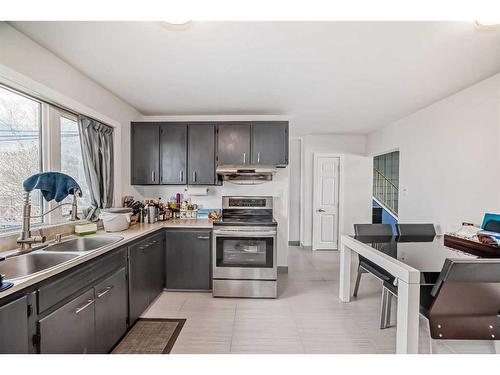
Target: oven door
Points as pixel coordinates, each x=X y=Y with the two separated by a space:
x=244 y=254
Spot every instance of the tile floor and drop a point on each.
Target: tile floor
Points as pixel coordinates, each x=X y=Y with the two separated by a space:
x=306 y=318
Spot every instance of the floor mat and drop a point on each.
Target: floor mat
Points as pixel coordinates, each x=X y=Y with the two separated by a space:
x=150 y=336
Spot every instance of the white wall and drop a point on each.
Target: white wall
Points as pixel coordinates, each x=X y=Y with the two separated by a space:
x=278 y=188
x=27 y=66
x=449 y=157
x=356 y=180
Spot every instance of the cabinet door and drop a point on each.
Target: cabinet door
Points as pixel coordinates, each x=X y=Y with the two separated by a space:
x=270 y=143
x=173 y=151
x=71 y=328
x=233 y=144
x=201 y=155
x=138 y=281
x=110 y=311
x=14 y=327
x=188 y=259
x=155 y=254
x=145 y=154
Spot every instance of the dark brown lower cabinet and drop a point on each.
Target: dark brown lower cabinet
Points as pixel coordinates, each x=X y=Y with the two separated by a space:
x=14 y=327
x=110 y=311
x=188 y=259
x=146 y=274
x=71 y=328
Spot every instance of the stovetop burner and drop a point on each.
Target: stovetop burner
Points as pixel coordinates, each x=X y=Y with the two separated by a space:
x=247 y=211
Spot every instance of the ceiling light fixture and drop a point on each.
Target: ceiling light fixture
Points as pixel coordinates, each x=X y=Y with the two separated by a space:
x=178 y=22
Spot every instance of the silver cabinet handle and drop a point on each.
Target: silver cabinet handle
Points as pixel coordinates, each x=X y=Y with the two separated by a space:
x=153 y=176
x=106 y=290
x=181 y=175
x=194 y=176
x=321 y=210
x=80 y=309
x=203 y=237
x=244 y=157
x=258 y=157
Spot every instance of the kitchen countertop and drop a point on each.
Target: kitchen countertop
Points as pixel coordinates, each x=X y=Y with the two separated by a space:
x=133 y=233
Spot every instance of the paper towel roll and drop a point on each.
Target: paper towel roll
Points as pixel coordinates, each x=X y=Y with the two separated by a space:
x=196 y=191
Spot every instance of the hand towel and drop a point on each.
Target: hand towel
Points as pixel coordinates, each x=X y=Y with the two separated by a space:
x=53 y=185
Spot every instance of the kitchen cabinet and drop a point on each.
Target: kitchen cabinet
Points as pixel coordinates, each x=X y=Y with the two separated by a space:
x=85 y=309
x=71 y=328
x=201 y=155
x=173 y=154
x=145 y=154
x=180 y=153
x=14 y=327
x=188 y=259
x=110 y=310
x=146 y=274
x=233 y=143
x=270 y=143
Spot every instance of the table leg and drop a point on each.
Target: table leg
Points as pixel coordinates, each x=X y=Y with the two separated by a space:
x=345 y=273
x=408 y=318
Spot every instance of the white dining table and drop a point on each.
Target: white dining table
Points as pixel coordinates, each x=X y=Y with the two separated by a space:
x=407 y=262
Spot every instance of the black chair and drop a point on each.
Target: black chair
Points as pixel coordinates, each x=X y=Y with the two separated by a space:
x=464 y=302
x=366 y=266
x=412 y=230
x=406 y=233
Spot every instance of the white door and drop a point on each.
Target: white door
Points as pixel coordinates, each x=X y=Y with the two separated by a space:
x=325 y=202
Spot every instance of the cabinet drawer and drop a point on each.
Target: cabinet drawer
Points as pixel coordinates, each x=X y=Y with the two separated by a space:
x=63 y=287
x=153 y=239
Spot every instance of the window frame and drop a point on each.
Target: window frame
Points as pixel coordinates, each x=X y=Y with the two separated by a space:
x=49 y=153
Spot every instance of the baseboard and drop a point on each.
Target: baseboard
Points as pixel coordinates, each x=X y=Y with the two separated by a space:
x=293 y=243
x=282 y=269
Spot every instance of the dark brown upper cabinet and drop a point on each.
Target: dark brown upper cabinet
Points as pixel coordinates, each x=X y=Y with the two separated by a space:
x=145 y=152
x=270 y=143
x=201 y=154
x=181 y=153
x=233 y=143
x=173 y=153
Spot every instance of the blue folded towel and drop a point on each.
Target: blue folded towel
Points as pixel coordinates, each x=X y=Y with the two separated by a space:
x=53 y=185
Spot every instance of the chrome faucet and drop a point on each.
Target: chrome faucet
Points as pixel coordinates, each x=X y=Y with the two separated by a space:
x=26 y=239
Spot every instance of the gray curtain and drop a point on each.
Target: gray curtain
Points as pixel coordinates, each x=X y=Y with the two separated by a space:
x=97 y=150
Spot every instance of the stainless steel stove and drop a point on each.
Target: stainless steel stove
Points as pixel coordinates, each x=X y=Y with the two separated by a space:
x=244 y=248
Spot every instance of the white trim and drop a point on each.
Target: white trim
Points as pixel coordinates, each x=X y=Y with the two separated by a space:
x=340 y=226
x=247 y=117
x=385 y=152
x=301 y=217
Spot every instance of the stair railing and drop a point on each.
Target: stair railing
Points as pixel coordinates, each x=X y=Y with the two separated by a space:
x=385 y=191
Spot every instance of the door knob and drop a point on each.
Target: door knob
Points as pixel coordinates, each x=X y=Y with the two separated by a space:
x=321 y=210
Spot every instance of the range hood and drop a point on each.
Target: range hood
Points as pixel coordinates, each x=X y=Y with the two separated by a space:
x=246 y=174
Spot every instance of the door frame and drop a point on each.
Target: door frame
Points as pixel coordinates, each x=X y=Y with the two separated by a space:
x=301 y=187
x=340 y=226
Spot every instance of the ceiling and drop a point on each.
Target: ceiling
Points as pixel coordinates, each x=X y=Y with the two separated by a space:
x=329 y=77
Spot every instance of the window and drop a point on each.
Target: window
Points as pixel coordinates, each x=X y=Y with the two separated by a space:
x=20 y=155
x=72 y=160
x=35 y=137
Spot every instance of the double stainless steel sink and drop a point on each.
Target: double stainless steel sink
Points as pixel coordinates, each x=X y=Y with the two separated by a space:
x=40 y=260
